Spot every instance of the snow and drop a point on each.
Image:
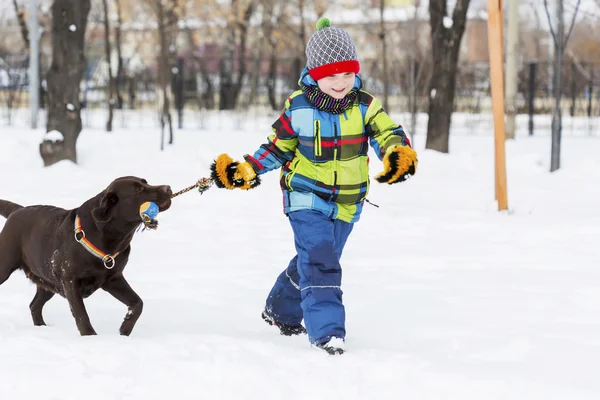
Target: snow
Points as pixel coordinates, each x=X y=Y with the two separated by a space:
x=4 y=78
x=446 y=297
x=448 y=22
x=54 y=135
x=337 y=343
x=70 y=107
x=72 y=28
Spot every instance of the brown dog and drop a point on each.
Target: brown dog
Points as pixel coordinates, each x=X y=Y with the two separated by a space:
x=76 y=252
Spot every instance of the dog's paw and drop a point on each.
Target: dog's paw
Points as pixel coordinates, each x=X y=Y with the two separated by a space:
x=126 y=328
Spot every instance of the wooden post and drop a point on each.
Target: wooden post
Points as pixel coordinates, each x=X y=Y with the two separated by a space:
x=496 y=45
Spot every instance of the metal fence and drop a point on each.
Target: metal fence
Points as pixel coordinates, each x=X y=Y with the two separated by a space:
x=196 y=91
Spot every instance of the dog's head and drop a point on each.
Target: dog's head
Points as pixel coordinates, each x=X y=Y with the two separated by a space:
x=124 y=196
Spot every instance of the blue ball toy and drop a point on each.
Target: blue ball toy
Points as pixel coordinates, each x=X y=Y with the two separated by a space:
x=148 y=210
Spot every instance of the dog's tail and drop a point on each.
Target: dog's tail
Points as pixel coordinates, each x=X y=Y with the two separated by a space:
x=7 y=208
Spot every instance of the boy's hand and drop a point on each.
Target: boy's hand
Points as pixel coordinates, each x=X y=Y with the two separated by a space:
x=399 y=164
x=231 y=174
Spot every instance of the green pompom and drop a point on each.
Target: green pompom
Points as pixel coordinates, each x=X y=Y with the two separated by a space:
x=323 y=23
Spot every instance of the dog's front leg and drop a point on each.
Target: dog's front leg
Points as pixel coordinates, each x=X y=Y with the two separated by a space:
x=72 y=289
x=120 y=289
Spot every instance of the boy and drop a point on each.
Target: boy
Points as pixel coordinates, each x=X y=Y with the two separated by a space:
x=320 y=144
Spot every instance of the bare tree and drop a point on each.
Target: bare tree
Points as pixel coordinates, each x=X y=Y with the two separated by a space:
x=205 y=100
x=259 y=51
x=273 y=18
x=538 y=37
x=560 y=43
x=226 y=64
x=446 y=35
x=166 y=17
x=298 y=39
x=384 y=54
x=416 y=70
x=69 y=21
x=111 y=80
x=119 y=47
x=243 y=25
x=301 y=38
x=20 y=12
x=238 y=28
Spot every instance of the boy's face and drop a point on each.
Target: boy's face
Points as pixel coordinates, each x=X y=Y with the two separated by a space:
x=338 y=85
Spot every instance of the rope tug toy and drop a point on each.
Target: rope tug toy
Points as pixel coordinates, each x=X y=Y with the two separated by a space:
x=149 y=210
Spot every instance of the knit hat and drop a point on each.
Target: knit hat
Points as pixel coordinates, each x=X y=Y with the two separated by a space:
x=330 y=51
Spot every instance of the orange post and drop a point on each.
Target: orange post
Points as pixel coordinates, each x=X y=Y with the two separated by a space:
x=496 y=43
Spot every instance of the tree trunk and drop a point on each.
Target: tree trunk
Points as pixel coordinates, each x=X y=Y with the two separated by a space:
x=111 y=81
x=20 y=12
x=69 y=19
x=299 y=61
x=272 y=19
x=243 y=28
x=226 y=89
x=119 y=56
x=163 y=74
x=445 y=48
x=272 y=80
x=131 y=91
x=208 y=96
x=559 y=42
x=384 y=56
x=22 y=24
x=412 y=100
x=256 y=72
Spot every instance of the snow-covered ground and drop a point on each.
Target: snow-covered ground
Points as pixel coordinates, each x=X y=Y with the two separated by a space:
x=446 y=297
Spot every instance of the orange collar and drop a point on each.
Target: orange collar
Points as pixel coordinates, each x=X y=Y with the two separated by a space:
x=107 y=259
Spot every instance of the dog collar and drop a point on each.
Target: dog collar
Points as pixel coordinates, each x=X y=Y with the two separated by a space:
x=107 y=259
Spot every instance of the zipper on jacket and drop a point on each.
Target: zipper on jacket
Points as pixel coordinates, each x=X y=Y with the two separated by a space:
x=335 y=140
x=318 y=150
x=335 y=151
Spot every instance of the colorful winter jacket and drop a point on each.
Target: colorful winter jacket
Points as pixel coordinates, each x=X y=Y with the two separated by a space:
x=323 y=156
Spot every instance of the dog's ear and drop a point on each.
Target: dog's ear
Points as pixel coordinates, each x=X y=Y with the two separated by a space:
x=102 y=214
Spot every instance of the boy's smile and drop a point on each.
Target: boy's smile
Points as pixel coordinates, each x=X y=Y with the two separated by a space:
x=338 y=85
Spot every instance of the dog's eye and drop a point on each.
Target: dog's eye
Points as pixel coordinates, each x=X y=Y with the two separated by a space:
x=140 y=189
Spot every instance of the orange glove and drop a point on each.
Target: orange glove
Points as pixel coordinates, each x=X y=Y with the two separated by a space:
x=231 y=174
x=399 y=164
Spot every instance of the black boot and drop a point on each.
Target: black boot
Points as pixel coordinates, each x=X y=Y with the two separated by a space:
x=286 y=330
x=335 y=346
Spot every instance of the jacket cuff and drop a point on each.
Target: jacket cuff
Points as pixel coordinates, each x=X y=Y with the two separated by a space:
x=256 y=165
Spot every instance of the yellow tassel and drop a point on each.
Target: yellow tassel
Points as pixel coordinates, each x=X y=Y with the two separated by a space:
x=222 y=162
x=230 y=174
x=386 y=167
x=406 y=158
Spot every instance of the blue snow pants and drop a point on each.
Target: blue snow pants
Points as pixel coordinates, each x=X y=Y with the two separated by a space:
x=310 y=287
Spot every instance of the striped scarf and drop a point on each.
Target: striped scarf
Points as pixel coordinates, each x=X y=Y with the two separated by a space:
x=325 y=102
